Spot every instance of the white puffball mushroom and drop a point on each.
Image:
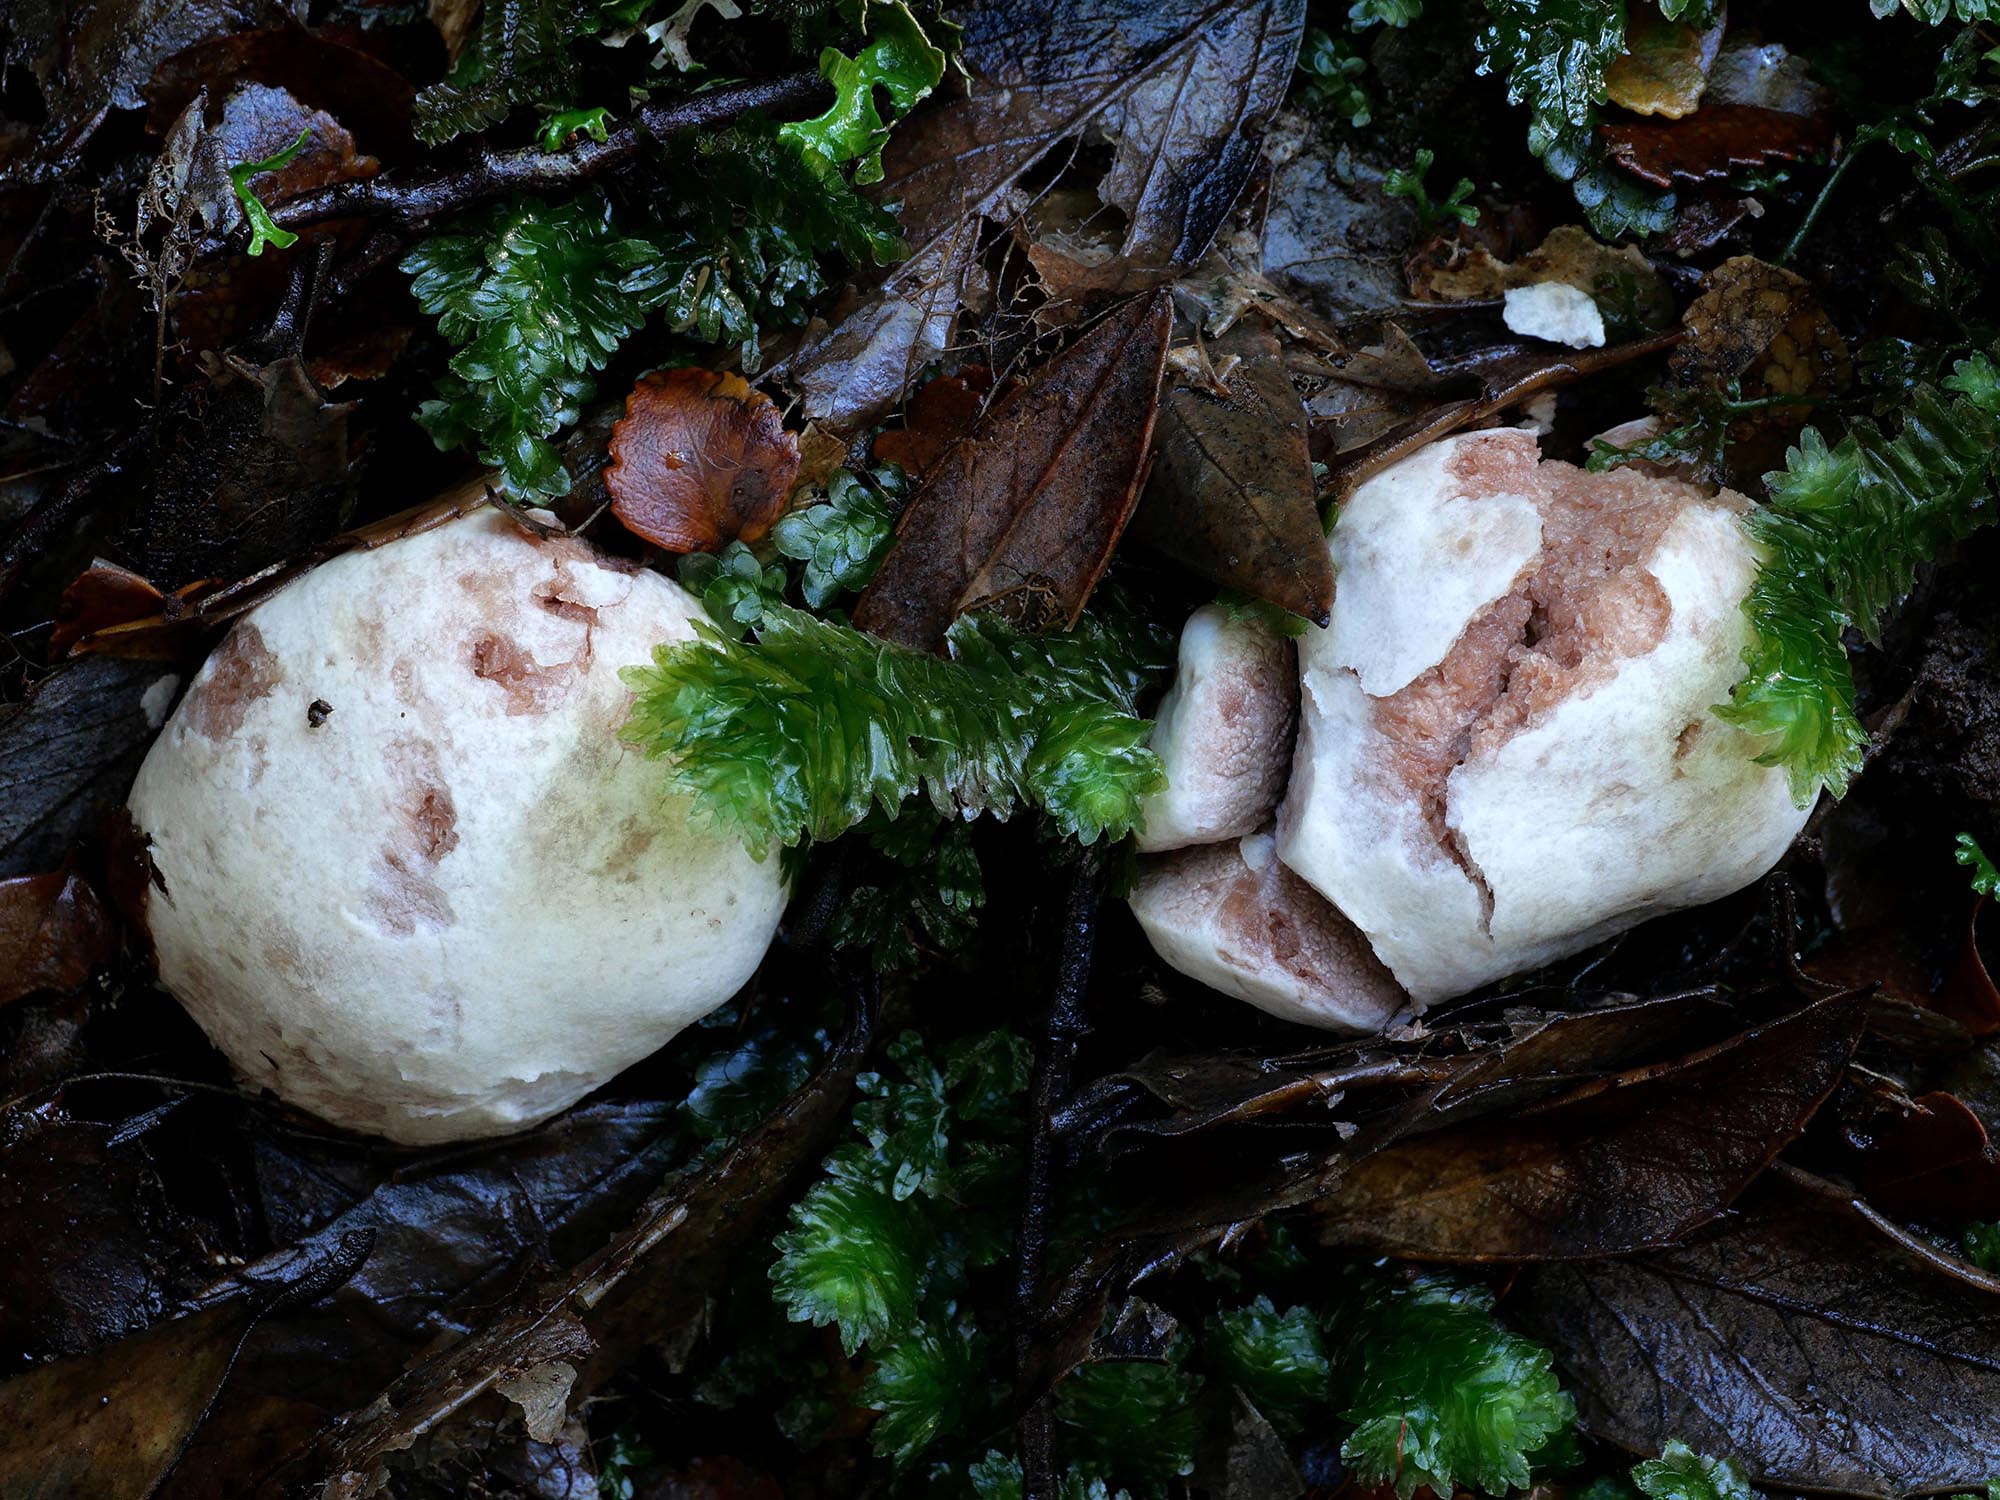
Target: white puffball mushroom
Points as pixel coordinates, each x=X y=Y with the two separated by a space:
x=1223 y=732
x=1506 y=749
x=1555 y=311
x=1233 y=917
x=408 y=878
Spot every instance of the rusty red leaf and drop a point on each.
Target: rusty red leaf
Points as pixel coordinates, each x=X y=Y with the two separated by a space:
x=1712 y=143
x=699 y=460
x=938 y=416
x=1024 y=514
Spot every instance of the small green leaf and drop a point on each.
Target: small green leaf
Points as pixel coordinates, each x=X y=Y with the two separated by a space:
x=842 y=540
x=1680 y=1473
x=1276 y=1359
x=264 y=229
x=1985 y=879
x=924 y=1385
x=899 y=59
x=565 y=124
x=1982 y=1248
x=851 y=1258
x=1441 y=1395
x=1126 y=1418
x=1398 y=13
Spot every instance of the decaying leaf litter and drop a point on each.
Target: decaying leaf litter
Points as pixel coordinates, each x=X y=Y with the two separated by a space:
x=951 y=357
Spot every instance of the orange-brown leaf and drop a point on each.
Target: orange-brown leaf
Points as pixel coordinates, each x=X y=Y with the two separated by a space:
x=699 y=460
x=1023 y=515
x=938 y=416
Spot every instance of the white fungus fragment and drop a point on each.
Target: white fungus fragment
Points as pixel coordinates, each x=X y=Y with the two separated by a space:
x=1555 y=311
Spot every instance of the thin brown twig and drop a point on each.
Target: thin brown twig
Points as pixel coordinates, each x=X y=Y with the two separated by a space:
x=416 y=201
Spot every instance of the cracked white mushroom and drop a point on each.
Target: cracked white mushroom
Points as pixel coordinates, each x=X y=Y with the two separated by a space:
x=1506 y=746
x=408 y=878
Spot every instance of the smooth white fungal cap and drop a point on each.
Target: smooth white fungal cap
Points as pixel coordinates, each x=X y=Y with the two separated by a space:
x=1556 y=311
x=1223 y=732
x=1233 y=917
x=409 y=879
x=1546 y=771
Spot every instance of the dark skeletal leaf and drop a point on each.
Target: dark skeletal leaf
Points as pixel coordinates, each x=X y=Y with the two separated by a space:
x=258 y=471
x=1023 y=514
x=54 y=933
x=1182 y=89
x=571 y=1328
x=1232 y=493
x=855 y=372
x=1639 y=1159
x=69 y=752
x=1716 y=141
x=453 y=1232
x=1803 y=1335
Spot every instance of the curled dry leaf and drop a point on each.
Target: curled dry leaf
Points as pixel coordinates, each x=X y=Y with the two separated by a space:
x=1639 y=1159
x=1716 y=141
x=54 y=933
x=1804 y=1335
x=113 y=610
x=1023 y=514
x=1232 y=493
x=699 y=460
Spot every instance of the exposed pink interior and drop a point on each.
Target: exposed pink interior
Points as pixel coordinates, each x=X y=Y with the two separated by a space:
x=1584 y=604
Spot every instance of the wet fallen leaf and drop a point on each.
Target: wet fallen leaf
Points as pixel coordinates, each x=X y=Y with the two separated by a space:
x=1803 y=1335
x=1232 y=494
x=54 y=933
x=633 y=1291
x=853 y=373
x=1928 y=1160
x=316 y=67
x=113 y=610
x=1664 y=67
x=68 y=753
x=700 y=460
x=1636 y=1160
x=453 y=1233
x=1750 y=70
x=111 y=1423
x=90 y=60
x=1024 y=514
x=1969 y=994
x=1716 y=141
x=1332 y=237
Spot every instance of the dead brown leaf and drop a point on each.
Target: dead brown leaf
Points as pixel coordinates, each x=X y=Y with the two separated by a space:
x=1619 y=278
x=54 y=933
x=1634 y=1160
x=1764 y=325
x=113 y=610
x=699 y=460
x=1232 y=493
x=1024 y=514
